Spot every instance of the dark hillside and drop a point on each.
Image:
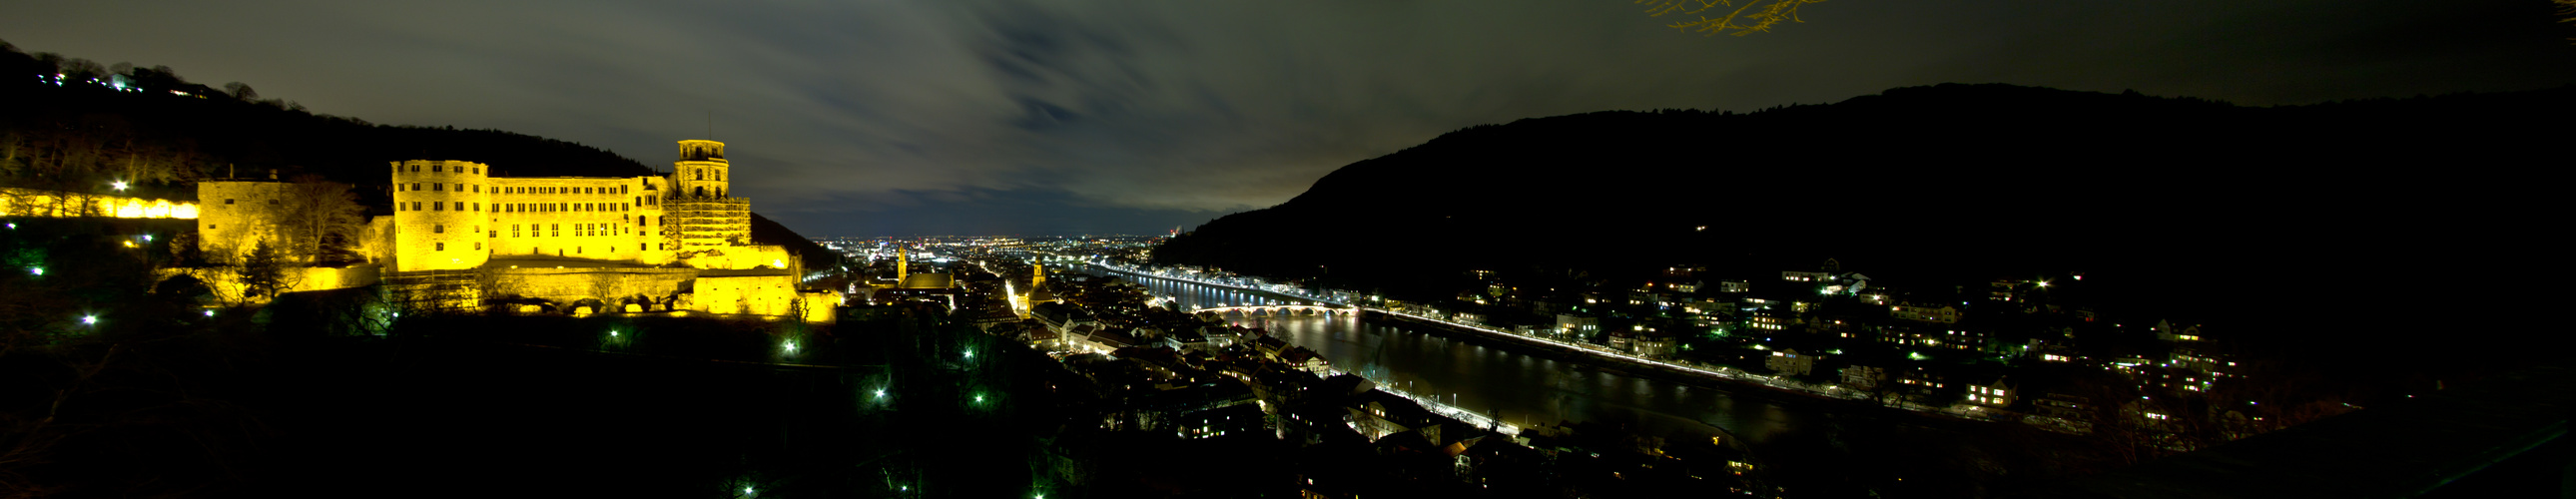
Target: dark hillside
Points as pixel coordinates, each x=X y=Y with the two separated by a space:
x=155 y=129
x=2197 y=208
x=765 y=231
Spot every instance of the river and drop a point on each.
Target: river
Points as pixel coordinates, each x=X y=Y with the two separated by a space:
x=1512 y=386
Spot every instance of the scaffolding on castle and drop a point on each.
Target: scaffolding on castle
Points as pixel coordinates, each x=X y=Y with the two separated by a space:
x=436 y=291
x=708 y=222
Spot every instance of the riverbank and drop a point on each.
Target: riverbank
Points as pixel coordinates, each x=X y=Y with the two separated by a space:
x=1644 y=368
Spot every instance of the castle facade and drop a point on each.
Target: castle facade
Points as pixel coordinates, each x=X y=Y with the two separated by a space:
x=460 y=236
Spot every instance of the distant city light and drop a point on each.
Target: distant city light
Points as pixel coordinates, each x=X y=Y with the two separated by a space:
x=791 y=347
x=36 y=270
x=119 y=185
x=210 y=313
x=89 y=319
x=970 y=354
x=612 y=333
x=880 y=393
x=746 y=490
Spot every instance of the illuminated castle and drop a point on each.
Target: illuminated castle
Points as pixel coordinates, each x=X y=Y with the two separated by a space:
x=452 y=215
x=459 y=236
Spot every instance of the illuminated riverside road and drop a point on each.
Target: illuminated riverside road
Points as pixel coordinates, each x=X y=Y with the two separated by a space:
x=1517 y=388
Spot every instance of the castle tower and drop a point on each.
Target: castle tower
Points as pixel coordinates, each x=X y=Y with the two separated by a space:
x=701 y=171
x=440 y=215
x=1040 y=279
x=703 y=214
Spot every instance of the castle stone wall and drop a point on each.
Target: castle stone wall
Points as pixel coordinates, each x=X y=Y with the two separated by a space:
x=439 y=217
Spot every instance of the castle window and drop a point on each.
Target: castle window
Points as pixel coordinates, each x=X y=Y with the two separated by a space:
x=478 y=246
x=437 y=206
x=438 y=228
x=478 y=187
x=478 y=170
x=555 y=230
x=438 y=187
x=460 y=187
x=210 y=226
x=442 y=246
x=621 y=189
x=514 y=230
x=415 y=168
x=415 y=186
x=478 y=206
x=433 y=167
x=228 y=201
x=415 y=206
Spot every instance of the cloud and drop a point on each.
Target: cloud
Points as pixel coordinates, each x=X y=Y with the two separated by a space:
x=855 y=116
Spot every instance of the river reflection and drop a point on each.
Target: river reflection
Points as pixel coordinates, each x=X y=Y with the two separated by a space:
x=1509 y=386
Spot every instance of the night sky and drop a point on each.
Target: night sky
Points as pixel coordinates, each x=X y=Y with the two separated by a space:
x=1000 y=117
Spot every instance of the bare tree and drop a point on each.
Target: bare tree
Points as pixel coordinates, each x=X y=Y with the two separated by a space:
x=320 y=218
x=241 y=91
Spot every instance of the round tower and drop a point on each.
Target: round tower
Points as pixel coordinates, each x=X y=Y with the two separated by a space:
x=701 y=171
x=439 y=217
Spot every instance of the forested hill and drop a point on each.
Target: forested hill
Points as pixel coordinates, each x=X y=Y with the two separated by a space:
x=96 y=124
x=1952 y=183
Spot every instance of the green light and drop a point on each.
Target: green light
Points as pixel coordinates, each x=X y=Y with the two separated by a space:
x=93 y=320
x=612 y=333
x=880 y=393
x=970 y=354
x=37 y=270
x=979 y=399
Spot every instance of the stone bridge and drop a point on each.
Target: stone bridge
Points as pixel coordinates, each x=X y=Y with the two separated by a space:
x=1275 y=310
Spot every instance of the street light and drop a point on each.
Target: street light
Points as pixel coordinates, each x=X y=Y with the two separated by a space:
x=119 y=185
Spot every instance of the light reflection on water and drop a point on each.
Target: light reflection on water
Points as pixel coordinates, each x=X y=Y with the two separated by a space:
x=1517 y=388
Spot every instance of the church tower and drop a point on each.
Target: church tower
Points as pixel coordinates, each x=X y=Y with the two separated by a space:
x=1039 y=280
x=902 y=264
